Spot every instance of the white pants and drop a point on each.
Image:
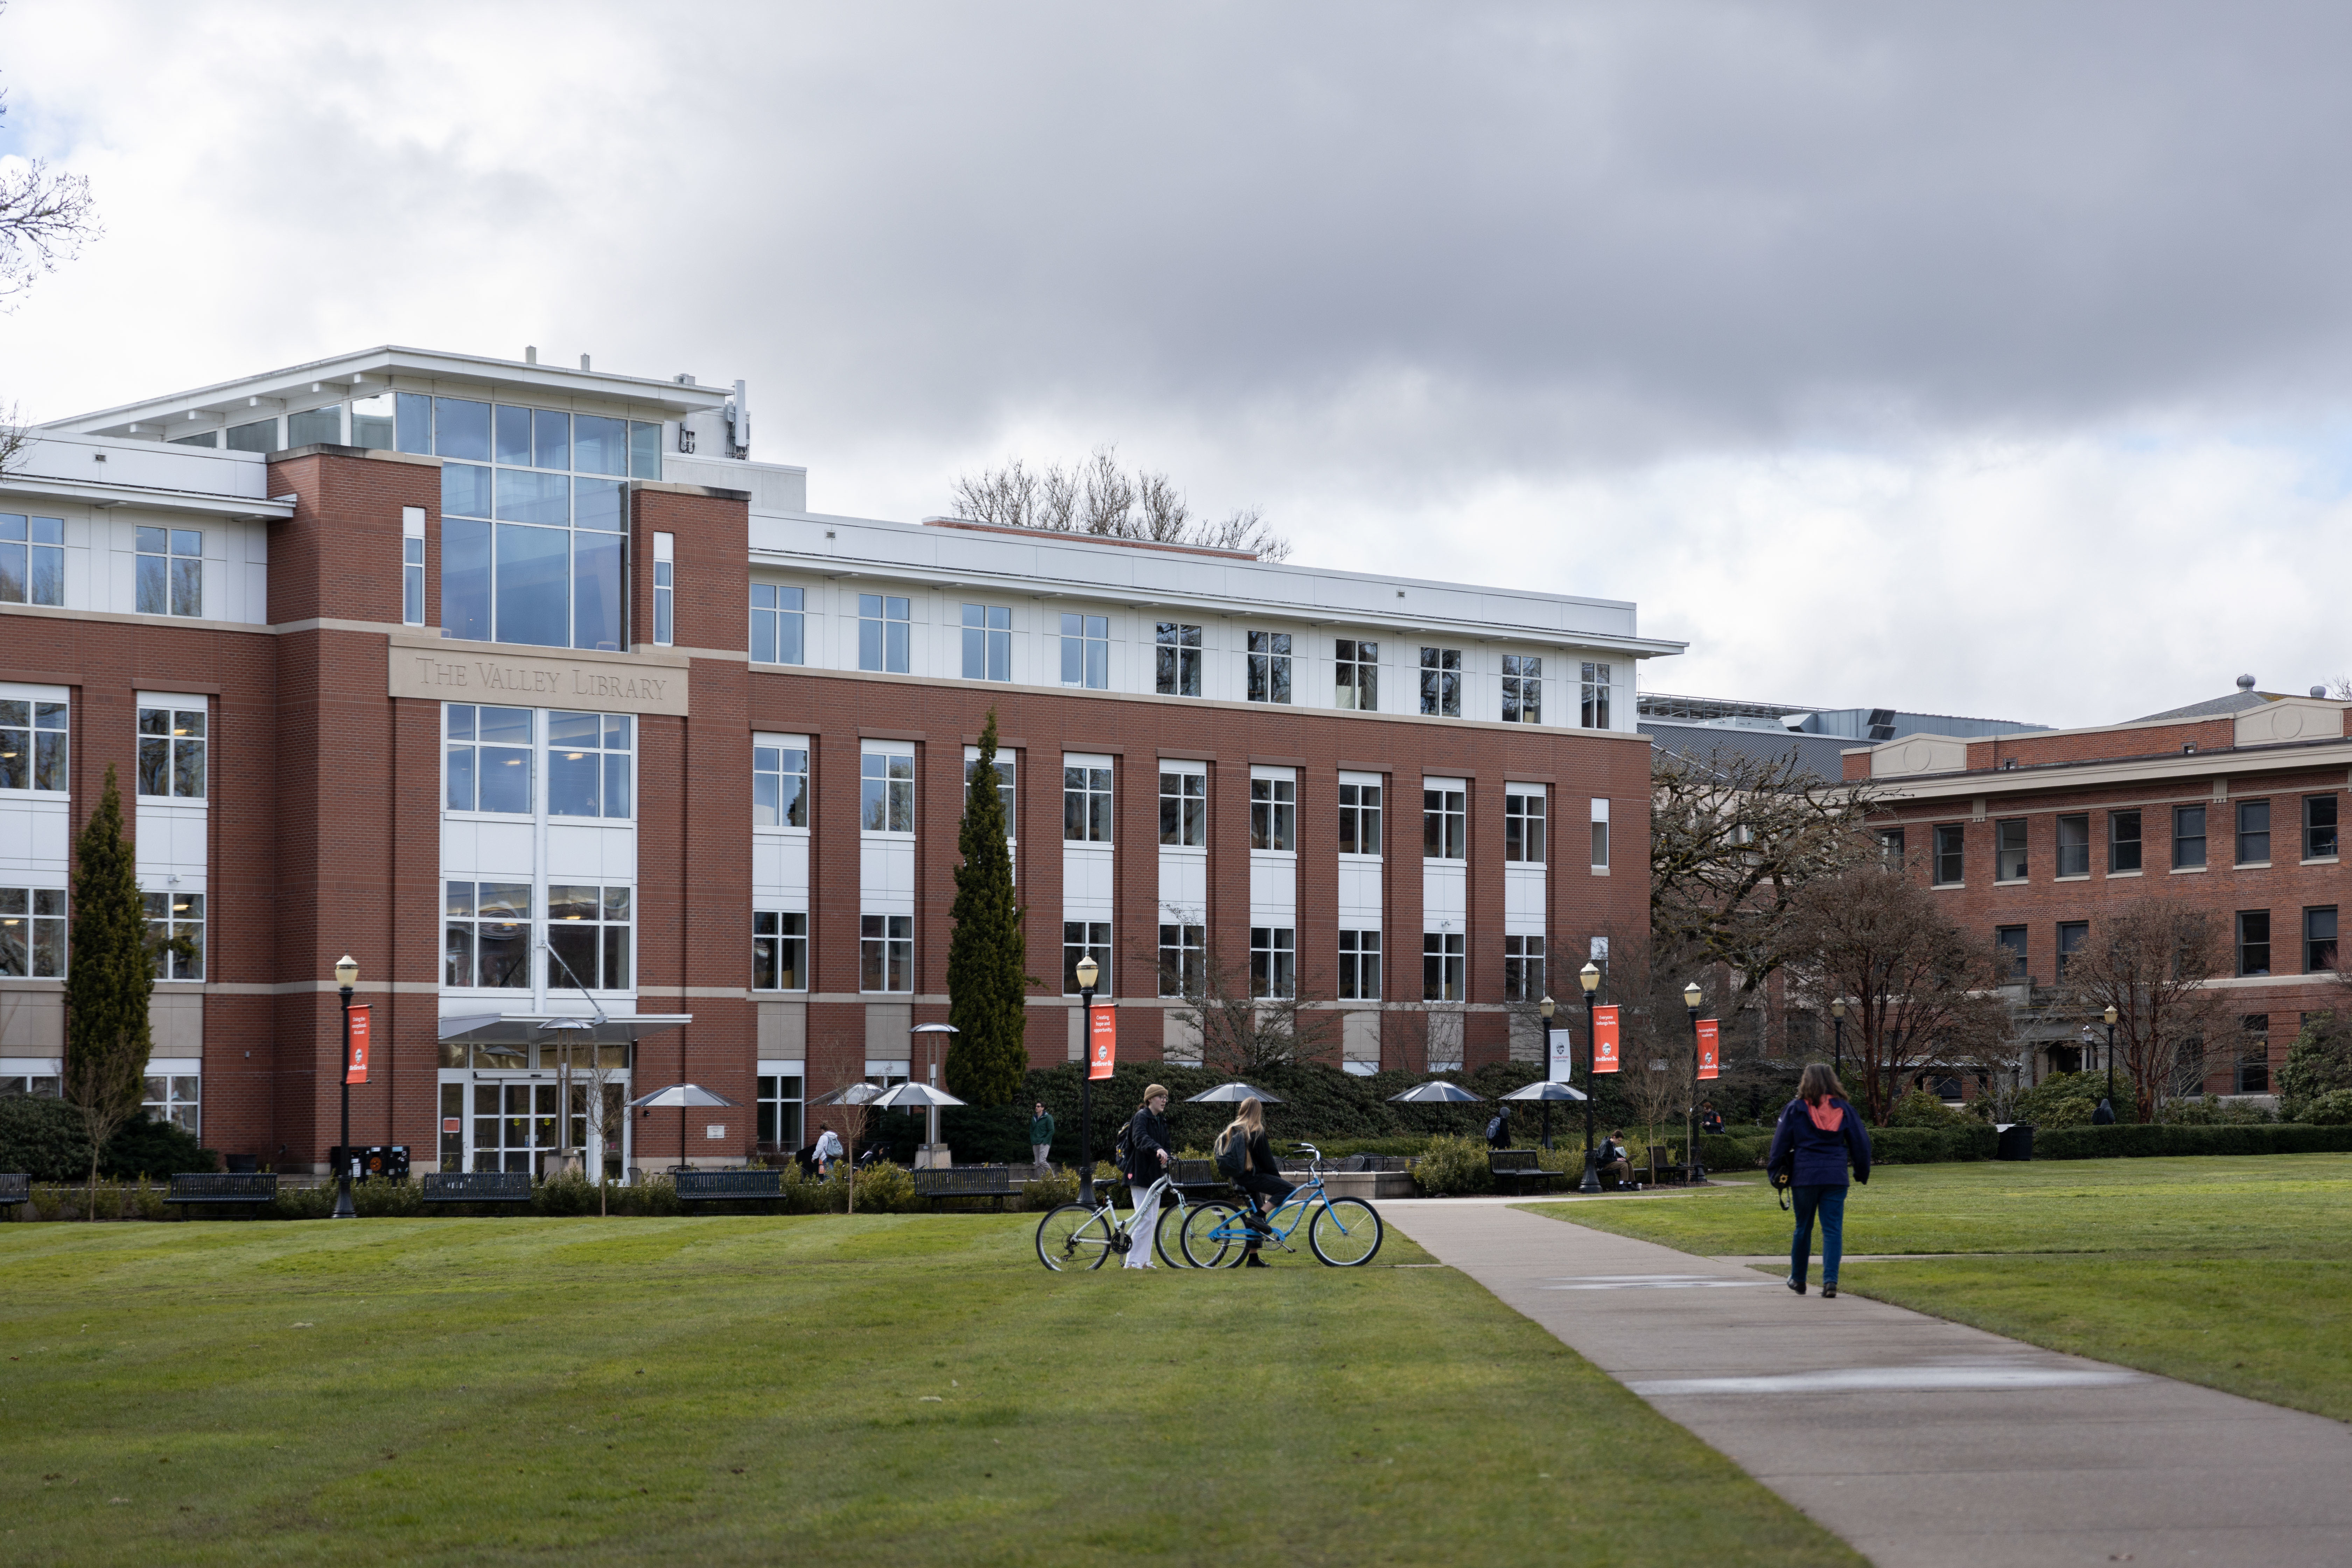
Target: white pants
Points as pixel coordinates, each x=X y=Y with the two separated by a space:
x=1146 y=1220
x=1037 y=1153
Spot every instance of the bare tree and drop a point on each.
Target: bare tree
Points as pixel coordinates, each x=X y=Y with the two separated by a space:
x=45 y=218
x=1098 y=496
x=1241 y=1030
x=2152 y=964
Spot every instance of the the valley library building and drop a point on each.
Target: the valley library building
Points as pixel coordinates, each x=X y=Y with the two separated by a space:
x=525 y=686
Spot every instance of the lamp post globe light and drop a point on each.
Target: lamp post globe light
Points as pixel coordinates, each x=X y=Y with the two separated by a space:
x=347 y=973
x=1837 y=1018
x=1693 y=1171
x=1589 y=977
x=1087 y=972
x=2111 y=1016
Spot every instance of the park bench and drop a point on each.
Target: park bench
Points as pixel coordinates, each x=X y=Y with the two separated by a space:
x=994 y=1181
x=205 y=1187
x=728 y=1186
x=16 y=1187
x=1196 y=1179
x=1521 y=1168
x=475 y=1187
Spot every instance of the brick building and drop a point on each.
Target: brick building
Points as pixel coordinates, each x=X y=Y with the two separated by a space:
x=525 y=686
x=2231 y=804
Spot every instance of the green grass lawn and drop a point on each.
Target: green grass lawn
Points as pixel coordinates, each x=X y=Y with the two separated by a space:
x=2232 y=1273
x=883 y=1389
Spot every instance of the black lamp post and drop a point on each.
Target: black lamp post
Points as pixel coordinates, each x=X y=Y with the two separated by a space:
x=1547 y=1008
x=2111 y=1054
x=1589 y=977
x=1837 y=1019
x=1693 y=1171
x=1089 y=971
x=346 y=974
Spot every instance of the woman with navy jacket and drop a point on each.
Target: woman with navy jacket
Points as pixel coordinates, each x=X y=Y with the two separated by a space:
x=1821 y=1133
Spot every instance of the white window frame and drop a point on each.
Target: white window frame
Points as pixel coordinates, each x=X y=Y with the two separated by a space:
x=608 y=725
x=1519 y=951
x=894 y=937
x=896 y=789
x=1455 y=804
x=1522 y=678
x=883 y=621
x=1093 y=941
x=1091 y=638
x=1192 y=824
x=1008 y=787
x=1170 y=654
x=1516 y=814
x=1268 y=674
x=1191 y=949
x=1432 y=704
x=558 y=982
x=1593 y=710
x=1094 y=799
x=1453 y=961
x=1356 y=674
x=1353 y=812
x=60 y=698
x=1274 y=800
x=1358 y=943
x=784 y=745
x=782 y=934
x=411 y=565
x=665 y=589
x=991 y=637
x=1275 y=978
x=174 y=707
x=1601 y=837
x=783 y=603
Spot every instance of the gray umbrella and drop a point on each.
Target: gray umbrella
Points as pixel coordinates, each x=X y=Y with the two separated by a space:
x=909 y=1095
x=1436 y=1091
x=859 y=1093
x=680 y=1094
x=1546 y=1089
x=1231 y=1094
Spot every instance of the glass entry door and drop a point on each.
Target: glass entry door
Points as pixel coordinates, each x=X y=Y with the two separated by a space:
x=511 y=1124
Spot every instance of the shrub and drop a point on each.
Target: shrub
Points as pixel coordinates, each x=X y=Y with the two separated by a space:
x=886 y=1188
x=43 y=1138
x=2332 y=1108
x=1967 y=1139
x=2068 y=1099
x=1451 y=1164
x=2158 y=1139
x=1722 y=1152
x=1054 y=1187
x=2204 y=1110
x=145 y=1147
x=2319 y=1062
x=1921 y=1109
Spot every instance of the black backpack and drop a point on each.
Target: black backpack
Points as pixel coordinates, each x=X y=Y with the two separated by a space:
x=1495 y=1127
x=1233 y=1154
x=1122 y=1153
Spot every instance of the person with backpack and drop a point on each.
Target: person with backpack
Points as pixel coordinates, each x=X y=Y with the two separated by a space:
x=1144 y=1163
x=1818 y=1137
x=1246 y=1159
x=1499 y=1129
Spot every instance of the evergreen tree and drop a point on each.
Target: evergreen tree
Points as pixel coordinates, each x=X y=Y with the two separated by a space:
x=110 y=973
x=988 y=955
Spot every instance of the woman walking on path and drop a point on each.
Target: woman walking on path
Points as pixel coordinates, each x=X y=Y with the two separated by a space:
x=1818 y=1134
x=1146 y=1162
x=1261 y=1175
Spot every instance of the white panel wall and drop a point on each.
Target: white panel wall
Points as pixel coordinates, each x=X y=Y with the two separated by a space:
x=1444 y=894
x=780 y=870
x=1086 y=881
x=605 y=854
x=885 y=876
x=494 y=850
x=1359 y=891
x=1274 y=889
x=34 y=831
x=1183 y=885
x=1523 y=900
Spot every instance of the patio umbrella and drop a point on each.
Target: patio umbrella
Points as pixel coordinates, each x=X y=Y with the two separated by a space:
x=1231 y=1094
x=680 y=1094
x=860 y=1093
x=1436 y=1091
x=909 y=1095
x=1548 y=1092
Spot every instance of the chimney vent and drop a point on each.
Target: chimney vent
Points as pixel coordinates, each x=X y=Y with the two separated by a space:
x=530 y=355
x=2246 y=682
x=583 y=361
x=2319 y=691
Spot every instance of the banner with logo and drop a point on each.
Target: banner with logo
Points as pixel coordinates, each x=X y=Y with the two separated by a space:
x=1604 y=1039
x=1709 y=1046
x=1102 y=1042
x=1563 y=1055
x=355 y=1070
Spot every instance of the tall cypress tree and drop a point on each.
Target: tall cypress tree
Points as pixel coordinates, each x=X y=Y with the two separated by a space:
x=988 y=955
x=109 y=974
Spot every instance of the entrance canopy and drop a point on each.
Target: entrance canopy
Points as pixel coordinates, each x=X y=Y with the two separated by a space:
x=544 y=1029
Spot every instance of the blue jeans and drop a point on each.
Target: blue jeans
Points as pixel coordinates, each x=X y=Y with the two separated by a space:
x=1830 y=1204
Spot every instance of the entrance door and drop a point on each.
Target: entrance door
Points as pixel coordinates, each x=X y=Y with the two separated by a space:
x=512 y=1122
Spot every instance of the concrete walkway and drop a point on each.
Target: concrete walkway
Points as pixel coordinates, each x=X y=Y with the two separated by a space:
x=1925 y=1444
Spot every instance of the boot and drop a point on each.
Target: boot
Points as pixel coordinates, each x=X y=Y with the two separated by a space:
x=1250 y=1259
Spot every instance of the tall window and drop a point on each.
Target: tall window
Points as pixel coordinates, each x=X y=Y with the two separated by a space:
x=31 y=559
x=2319 y=940
x=2253 y=941
x=1007 y=796
x=33 y=931
x=372 y=422
x=1269 y=666
x=1356 y=679
x=1185 y=810
x=2253 y=832
x=1176 y=659
x=886 y=953
x=2252 y=1067
x=486 y=935
x=1522 y=689
x=1600 y=838
x=170 y=568
x=2011 y=942
x=588 y=928
x=665 y=589
x=1273 y=813
x=1440 y=681
x=2319 y=827
x=782 y=1106
x=1890 y=848
x=1085 y=651
x=2009 y=850
x=1085 y=939
x=2123 y=841
x=2074 y=845
x=886 y=794
x=779 y=786
x=988 y=642
x=176 y=1097
x=172 y=753
x=1085 y=805
x=779 y=950
x=411 y=565
x=588 y=764
x=1359 y=819
x=1445 y=825
x=1951 y=861
x=1593 y=712
x=1441 y=966
x=1359 y=966
x=2073 y=937
x=1183 y=960
x=1523 y=968
x=32 y=747
x=2187 y=837
x=1272 y=961
x=779 y=624
x=885 y=633
x=488 y=758
x=1523 y=825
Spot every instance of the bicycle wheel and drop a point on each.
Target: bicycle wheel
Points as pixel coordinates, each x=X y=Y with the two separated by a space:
x=1203 y=1248
x=1345 y=1233
x=1073 y=1237
x=1167 y=1234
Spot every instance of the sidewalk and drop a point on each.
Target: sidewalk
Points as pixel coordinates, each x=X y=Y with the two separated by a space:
x=1925 y=1444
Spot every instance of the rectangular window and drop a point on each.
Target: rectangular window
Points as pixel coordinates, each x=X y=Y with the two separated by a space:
x=1359 y=966
x=32 y=747
x=488 y=758
x=988 y=642
x=411 y=565
x=171 y=753
x=1273 y=813
x=2187 y=837
x=1593 y=712
x=2319 y=827
x=2252 y=1071
x=261 y=435
x=2072 y=936
x=1522 y=689
x=1523 y=824
x=779 y=786
x=1440 y=681
x=665 y=589
x=885 y=797
x=1951 y=859
x=486 y=935
x=1600 y=834
x=168 y=565
x=885 y=633
x=1441 y=966
x=1359 y=819
x=2319 y=940
x=1523 y=968
x=2253 y=832
x=1356 y=675
x=1185 y=810
x=2011 y=942
x=372 y=422
x=2123 y=841
x=31 y=559
x=1176 y=659
x=316 y=426
x=1444 y=825
x=1269 y=666
x=588 y=931
x=2253 y=941
x=175 y=933
x=2074 y=845
x=1085 y=651
x=779 y=950
x=1085 y=805
x=1183 y=960
x=1085 y=939
x=1007 y=796
x=782 y=1105
x=1890 y=848
x=588 y=759
x=2009 y=850
x=779 y=620
x=886 y=953
x=1273 y=961
x=33 y=932
x=176 y=1098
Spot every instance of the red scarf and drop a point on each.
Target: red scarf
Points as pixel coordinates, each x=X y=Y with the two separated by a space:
x=1827 y=1116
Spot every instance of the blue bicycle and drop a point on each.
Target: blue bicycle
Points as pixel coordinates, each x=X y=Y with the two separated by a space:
x=1343 y=1232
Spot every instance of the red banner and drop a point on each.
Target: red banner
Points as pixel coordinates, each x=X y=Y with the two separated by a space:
x=1709 y=1046
x=1604 y=1039
x=1102 y=1042
x=355 y=1070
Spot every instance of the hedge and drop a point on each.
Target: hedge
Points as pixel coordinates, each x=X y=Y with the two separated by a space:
x=1931 y=1145
x=2121 y=1141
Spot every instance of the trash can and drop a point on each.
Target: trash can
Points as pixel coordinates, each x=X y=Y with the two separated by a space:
x=2014 y=1142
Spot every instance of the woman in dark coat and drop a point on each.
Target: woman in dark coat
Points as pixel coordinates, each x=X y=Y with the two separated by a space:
x=1147 y=1142
x=1821 y=1134
x=1261 y=1179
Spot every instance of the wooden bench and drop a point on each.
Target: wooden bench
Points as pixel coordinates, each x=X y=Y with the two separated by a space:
x=204 y=1187
x=1521 y=1167
x=967 y=1181
x=727 y=1186
x=16 y=1187
x=475 y=1187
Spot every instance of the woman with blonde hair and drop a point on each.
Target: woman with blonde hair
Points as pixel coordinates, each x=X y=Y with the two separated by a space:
x=1261 y=1175
x=1819 y=1135
x=1148 y=1142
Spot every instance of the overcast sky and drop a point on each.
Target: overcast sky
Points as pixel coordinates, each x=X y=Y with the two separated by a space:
x=1979 y=359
